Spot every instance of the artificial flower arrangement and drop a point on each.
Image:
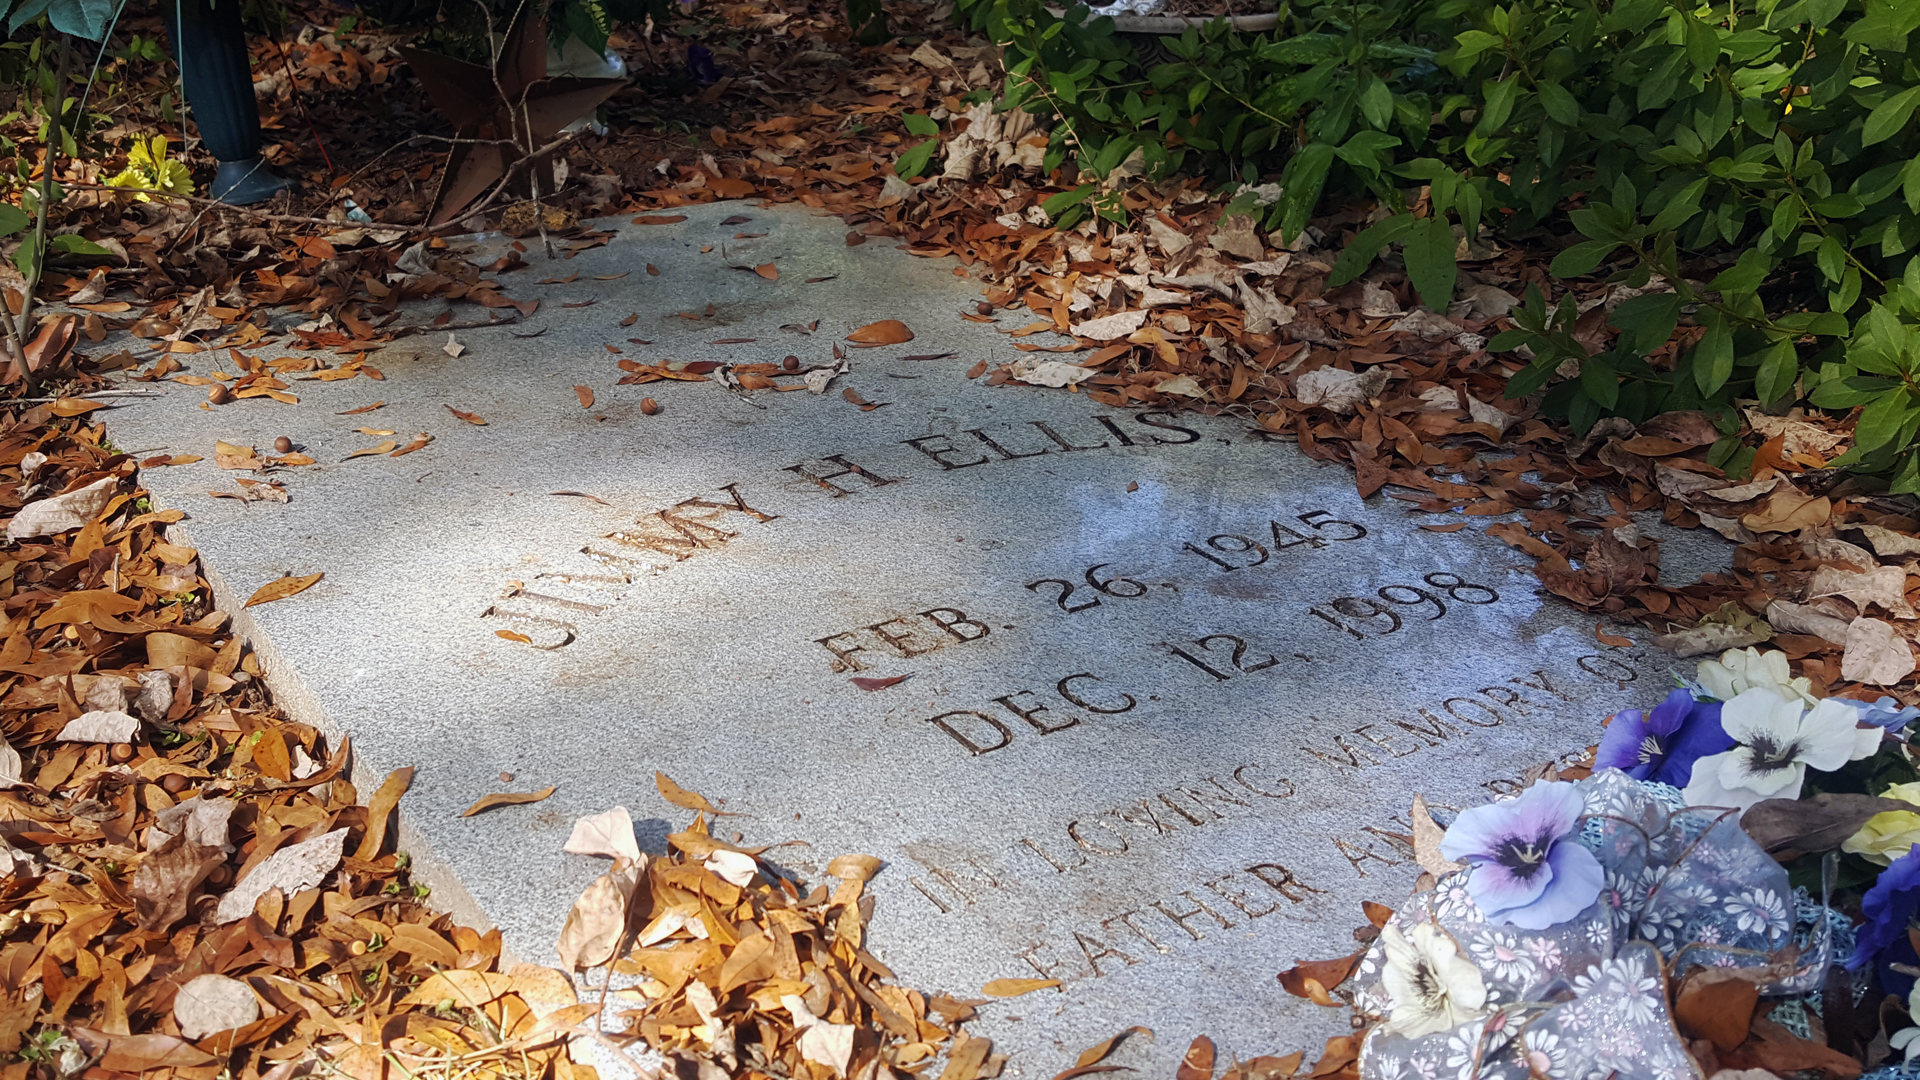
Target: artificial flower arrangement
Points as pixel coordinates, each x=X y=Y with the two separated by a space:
x=1627 y=924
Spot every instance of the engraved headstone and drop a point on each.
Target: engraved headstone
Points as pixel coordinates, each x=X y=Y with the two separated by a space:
x=1164 y=688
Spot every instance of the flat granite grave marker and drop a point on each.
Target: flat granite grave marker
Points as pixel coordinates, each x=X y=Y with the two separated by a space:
x=1132 y=700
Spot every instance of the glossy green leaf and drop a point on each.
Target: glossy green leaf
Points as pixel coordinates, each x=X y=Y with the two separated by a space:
x=920 y=124
x=1713 y=356
x=914 y=160
x=1882 y=418
x=1582 y=258
x=1779 y=365
x=1560 y=104
x=1429 y=251
x=1598 y=382
x=1367 y=246
x=1646 y=321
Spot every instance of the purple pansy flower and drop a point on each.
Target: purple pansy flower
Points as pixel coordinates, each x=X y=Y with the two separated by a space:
x=1885 y=713
x=1888 y=908
x=1527 y=869
x=1662 y=745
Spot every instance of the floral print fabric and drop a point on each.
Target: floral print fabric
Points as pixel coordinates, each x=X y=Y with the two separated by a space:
x=1585 y=998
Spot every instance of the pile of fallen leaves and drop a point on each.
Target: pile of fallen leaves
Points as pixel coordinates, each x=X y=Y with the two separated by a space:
x=193 y=888
x=730 y=963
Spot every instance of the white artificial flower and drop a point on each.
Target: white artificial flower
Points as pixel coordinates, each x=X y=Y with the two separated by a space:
x=1433 y=986
x=1777 y=739
x=1740 y=670
x=1907 y=1039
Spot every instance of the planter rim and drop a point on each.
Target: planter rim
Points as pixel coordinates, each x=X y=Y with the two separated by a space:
x=1176 y=24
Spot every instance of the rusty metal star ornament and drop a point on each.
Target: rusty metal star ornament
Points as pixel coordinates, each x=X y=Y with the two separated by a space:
x=507 y=111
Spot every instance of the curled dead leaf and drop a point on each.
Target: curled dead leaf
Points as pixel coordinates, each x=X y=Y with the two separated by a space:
x=1006 y=988
x=680 y=796
x=281 y=588
x=1313 y=979
x=884 y=332
x=373 y=451
x=507 y=798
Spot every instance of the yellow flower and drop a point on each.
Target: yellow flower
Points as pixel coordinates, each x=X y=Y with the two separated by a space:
x=148 y=168
x=1886 y=837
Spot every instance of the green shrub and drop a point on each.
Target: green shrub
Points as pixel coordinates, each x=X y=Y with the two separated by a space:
x=1768 y=150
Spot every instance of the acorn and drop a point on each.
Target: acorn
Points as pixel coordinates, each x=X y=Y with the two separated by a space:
x=283 y=445
x=983 y=308
x=121 y=752
x=219 y=394
x=173 y=783
x=791 y=363
x=649 y=406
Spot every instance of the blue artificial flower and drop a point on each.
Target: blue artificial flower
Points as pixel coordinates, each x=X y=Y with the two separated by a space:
x=1888 y=908
x=1885 y=713
x=1528 y=866
x=1663 y=745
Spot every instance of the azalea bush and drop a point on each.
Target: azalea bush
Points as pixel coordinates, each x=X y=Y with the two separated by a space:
x=1751 y=169
x=1591 y=926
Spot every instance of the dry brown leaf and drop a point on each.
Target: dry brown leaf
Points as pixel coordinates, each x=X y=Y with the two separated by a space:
x=866 y=683
x=609 y=834
x=467 y=416
x=513 y=635
x=1093 y=1055
x=292 y=870
x=680 y=796
x=598 y=919
x=419 y=441
x=373 y=451
x=1197 y=1062
x=1426 y=840
x=1787 y=510
x=281 y=588
x=1006 y=988
x=768 y=271
x=1313 y=979
x=585 y=394
x=1876 y=653
x=1814 y=824
x=1884 y=586
x=468 y=989
x=210 y=1003
x=884 y=332
x=1615 y=640
x=508 y=798
x=362 y=409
